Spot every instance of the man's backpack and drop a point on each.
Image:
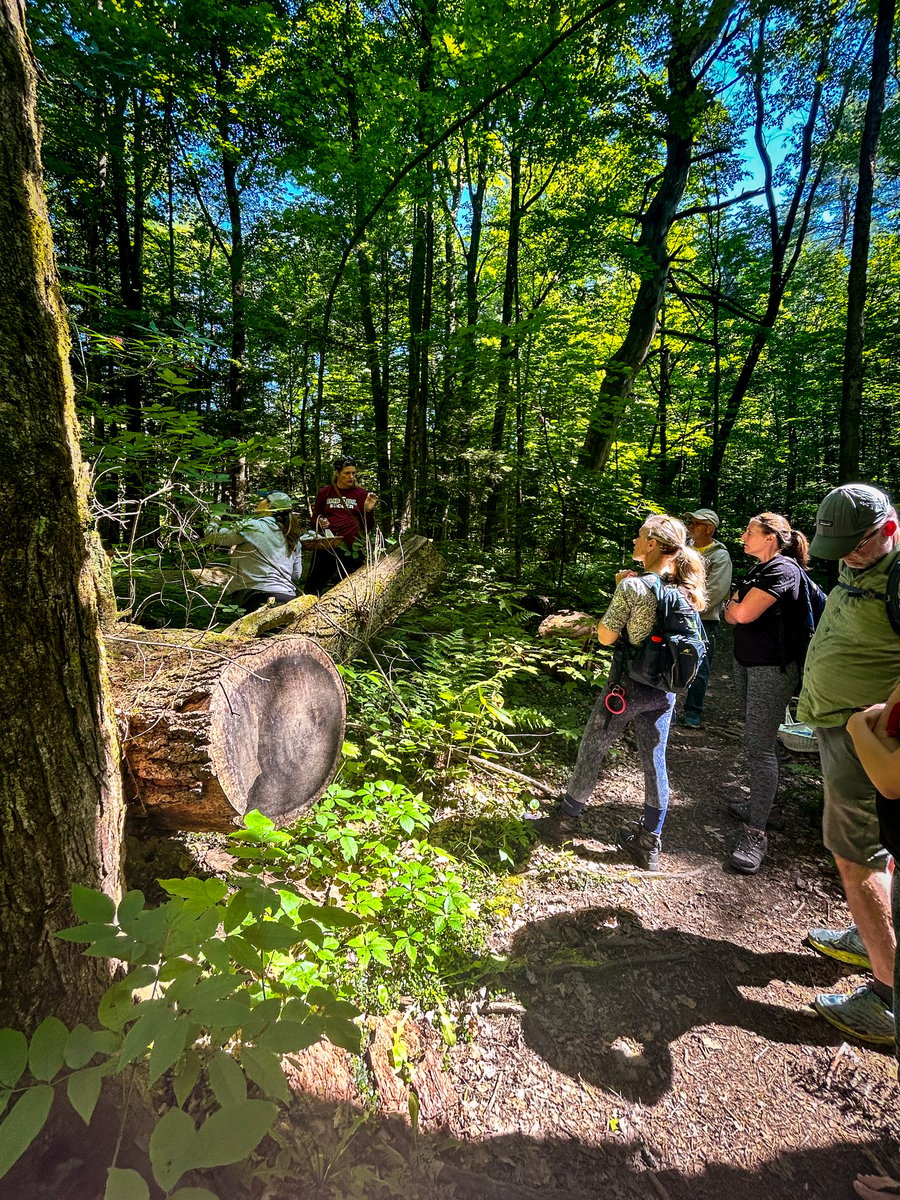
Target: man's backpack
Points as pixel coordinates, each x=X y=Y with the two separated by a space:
x=670 y=657
x=890 y=596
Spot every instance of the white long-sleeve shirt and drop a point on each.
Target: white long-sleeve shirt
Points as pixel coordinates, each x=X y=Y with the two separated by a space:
x=259 y=557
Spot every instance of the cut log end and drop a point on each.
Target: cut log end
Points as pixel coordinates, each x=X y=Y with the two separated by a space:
x=262 y=731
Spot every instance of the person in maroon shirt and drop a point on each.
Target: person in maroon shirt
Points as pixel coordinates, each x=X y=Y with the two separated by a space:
x=348 y=512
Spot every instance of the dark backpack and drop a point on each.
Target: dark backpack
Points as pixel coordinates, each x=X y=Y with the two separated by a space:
x=670 y=657
x=890 y=597
x=810 y=606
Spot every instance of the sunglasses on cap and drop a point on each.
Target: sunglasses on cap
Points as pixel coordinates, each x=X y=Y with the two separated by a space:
x=340 y=463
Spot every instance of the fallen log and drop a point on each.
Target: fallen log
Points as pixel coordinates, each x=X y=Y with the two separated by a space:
x=347 y=617
x=214 y=725
x=213 y=730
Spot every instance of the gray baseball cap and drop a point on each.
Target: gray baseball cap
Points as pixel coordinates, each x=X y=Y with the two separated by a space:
x=703 y=514
x=277 y=500
x=845 y=516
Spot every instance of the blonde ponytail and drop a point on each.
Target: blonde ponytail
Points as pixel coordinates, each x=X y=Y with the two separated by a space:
x=687 y=568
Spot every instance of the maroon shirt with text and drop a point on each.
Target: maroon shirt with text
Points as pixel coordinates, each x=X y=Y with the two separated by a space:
x=344 y=509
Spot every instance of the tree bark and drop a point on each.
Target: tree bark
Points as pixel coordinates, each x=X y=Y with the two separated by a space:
x=852 y=391
x=60 y=796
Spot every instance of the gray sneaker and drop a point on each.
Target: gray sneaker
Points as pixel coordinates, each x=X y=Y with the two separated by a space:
x=749 y=851
x=862 y=1014
x=843 y=944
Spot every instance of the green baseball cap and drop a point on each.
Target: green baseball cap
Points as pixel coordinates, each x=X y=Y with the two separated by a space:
x=845 y=516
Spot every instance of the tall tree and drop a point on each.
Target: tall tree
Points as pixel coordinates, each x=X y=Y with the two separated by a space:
x=60 y=801
x=852 y=389
x=690 y=42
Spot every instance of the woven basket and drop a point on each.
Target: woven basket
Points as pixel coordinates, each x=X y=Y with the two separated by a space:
x=794 y=735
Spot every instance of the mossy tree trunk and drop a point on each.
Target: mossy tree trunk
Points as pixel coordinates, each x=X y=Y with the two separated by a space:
x=60 y=800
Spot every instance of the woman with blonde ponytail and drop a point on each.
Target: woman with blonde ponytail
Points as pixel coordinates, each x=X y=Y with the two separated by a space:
x=768 y=611
x=661 y=547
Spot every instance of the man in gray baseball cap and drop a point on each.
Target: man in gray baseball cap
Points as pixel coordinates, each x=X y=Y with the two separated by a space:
x=702 y=524
x=854 y=662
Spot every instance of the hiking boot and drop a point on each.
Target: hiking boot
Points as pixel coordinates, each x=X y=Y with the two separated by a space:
x=641 y=846
x=557 y=828
x=741 y=810
x=843 y=944
x=691 y=721
x=749 y=851
x=862 y=1014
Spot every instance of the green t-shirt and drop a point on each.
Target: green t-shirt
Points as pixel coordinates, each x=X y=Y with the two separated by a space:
x=854 y=657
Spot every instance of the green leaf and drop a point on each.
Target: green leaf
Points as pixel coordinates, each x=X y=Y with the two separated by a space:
x=232 y=1133
x=328 y=916
x=131 y=904
x=154 y=1015
x=264 y=1069
x=23 y=1123
x=87 y=933
x=193 y=1194
x=343 y=1033
x=83 y=1090
x=272 y=935
x=203 y=892
x=244 y=954
x=226 y=1079
x=168 y=1046
x=48 y=1047
x=255 y=822
x=117 y=1004
x=229 y=1013
x=125 y=1185
x=5 y=1094
x=81 y=1046
x=216 y=953
x=171 y=1148
x=93 y=906
x=286 y=1037
x=187 y=1075
x=13 y=1056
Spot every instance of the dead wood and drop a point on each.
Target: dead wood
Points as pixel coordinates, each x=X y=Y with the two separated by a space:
x=568 y=624
x=213 y=731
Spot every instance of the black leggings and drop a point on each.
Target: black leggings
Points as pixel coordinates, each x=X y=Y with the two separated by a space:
x=328 y=565
x=250 y=600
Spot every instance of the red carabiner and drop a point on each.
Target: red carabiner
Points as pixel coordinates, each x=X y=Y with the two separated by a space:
x=615 y=701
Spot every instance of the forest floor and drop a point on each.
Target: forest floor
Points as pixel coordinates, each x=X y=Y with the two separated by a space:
x=652 y=1035
x=640 y=1035
x=655 y=1034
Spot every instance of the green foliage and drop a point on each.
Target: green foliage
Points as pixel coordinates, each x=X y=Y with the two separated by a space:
x=207 y=999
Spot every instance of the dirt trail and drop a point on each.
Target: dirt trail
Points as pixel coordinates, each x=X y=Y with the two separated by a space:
x=654 y=1035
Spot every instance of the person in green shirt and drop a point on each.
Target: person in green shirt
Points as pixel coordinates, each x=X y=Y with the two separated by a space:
x=854 y=662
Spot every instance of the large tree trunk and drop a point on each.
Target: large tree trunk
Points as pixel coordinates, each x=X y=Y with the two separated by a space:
x=683 y=107
x=213 y=734
x=60 y=798
x=218 y=724
x=852 y=391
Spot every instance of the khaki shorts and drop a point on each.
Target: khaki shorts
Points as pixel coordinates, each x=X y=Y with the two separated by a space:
x=850 y=820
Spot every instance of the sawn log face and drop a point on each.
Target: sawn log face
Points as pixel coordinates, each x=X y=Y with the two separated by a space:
x=212 y=736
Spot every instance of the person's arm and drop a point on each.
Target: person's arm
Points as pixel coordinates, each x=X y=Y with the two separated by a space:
x=217 y=535
x=318 y=520
x=718 y=577
x=879 y=754
x=751 y=608
x=611 y=624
